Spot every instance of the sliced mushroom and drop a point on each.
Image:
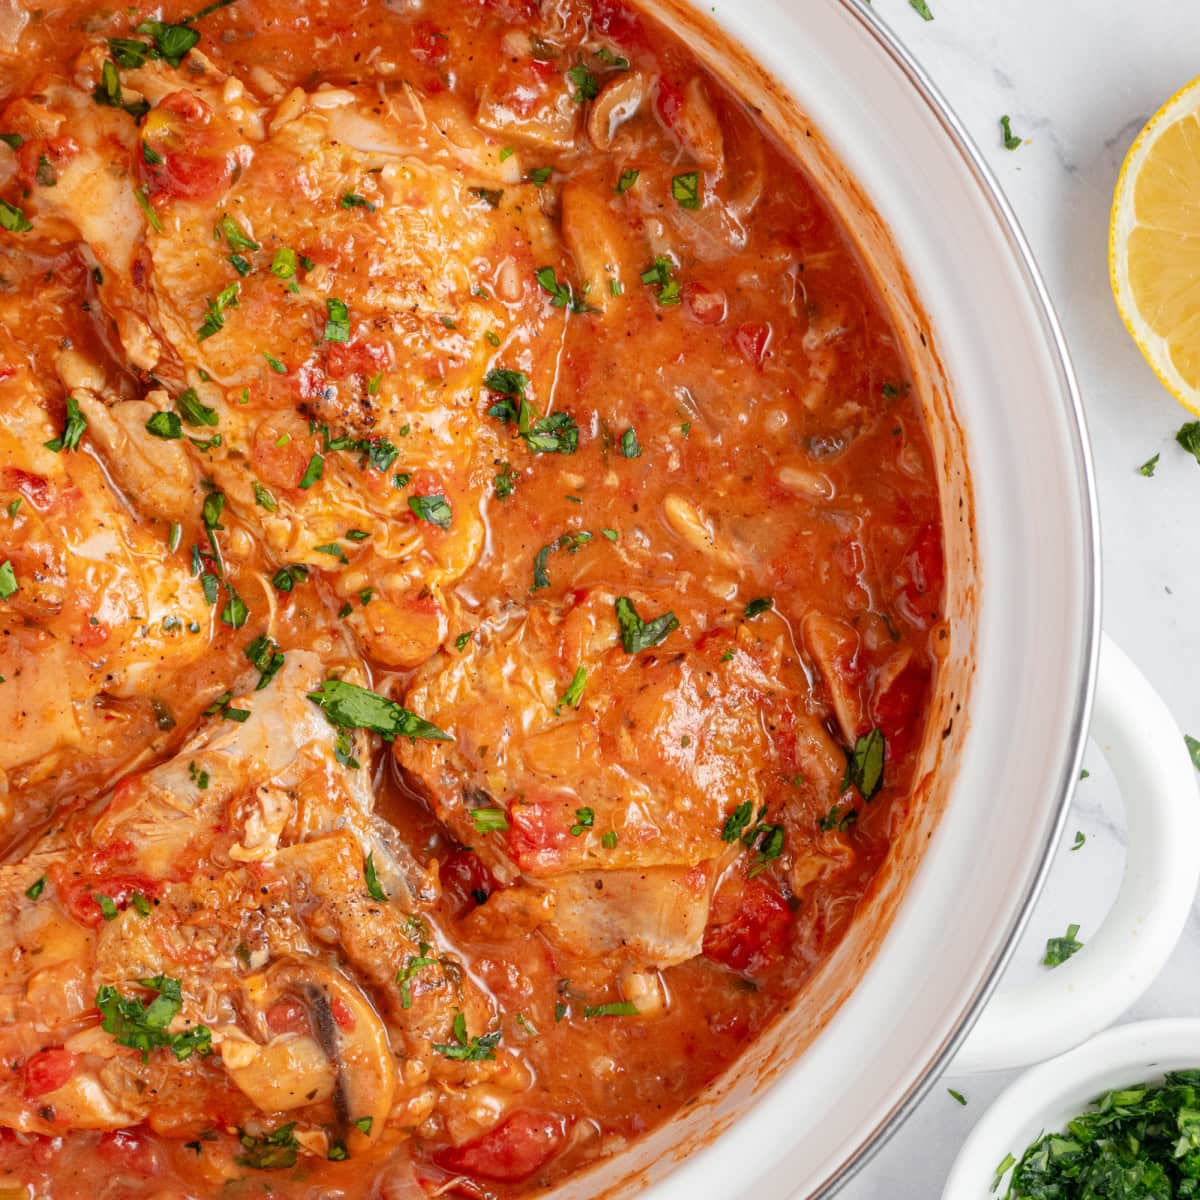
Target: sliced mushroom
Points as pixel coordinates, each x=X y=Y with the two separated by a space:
x=619 y=102
x=343 y=1058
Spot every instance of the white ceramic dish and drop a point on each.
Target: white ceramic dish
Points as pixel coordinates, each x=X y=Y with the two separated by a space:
x=1045 y=1099
x=811 y=1099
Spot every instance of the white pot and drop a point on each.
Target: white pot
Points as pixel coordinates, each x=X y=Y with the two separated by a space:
x=818 y=1092
x=1045 y=1099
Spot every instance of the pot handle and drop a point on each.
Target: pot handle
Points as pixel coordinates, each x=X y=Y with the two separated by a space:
x=1136 y=732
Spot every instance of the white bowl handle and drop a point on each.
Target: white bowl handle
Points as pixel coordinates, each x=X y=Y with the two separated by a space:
x=1065 y=1006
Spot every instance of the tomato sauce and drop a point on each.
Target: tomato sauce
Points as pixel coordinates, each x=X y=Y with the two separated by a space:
x=467 y=654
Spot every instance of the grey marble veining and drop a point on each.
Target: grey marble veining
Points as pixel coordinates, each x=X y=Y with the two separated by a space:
x=1078 y=79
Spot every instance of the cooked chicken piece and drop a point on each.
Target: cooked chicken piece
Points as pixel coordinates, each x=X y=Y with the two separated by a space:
x=615 y=793
x=211 y=976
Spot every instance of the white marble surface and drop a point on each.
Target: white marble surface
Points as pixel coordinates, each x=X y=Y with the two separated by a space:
x=1079 y=79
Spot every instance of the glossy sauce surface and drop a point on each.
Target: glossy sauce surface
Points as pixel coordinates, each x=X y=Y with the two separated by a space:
x=467 y=642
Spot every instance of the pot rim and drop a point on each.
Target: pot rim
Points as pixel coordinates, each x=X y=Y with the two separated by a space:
x=1089 y=633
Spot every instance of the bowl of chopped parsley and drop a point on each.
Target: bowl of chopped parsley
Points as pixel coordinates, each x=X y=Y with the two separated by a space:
x=1117 y=1118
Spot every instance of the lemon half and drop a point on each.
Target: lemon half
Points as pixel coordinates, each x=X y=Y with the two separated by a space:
x=1154 y=244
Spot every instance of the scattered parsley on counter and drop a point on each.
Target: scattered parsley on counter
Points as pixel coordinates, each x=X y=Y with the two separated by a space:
x=1148 y=467
x=1059 y=949
x=1189 y=438
x=1011 y=141
x=921 y=9
x=1080 y=838
x=348 y=706
x=958 y=1096
x=1193 y=749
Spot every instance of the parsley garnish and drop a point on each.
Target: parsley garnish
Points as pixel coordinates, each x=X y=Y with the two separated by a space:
x=434 y=509
x=36 y=888
x=1080 y=838
x=214 y=317
x=192 y=411
x=619 y=1008
x=505 y=482
x=354 y=200
x=686 y=189
x=144 y=1026
x=573 y=696
x=628 y=178
x=659 y=275
x=265 y=654
x=374 y=887
x=638 y=635
x=271 y=1151
x=585 y=818
x=76 y=423
x=561 y=293
x=236 y=237
x=629 y=444
x=1193 y=749
x=464 y=1049
x=313 y=472
x=337 y=321
x=13 y=219
x=1147 y=468
x=838 y=819
x=1059 y=949
x=165 y=425
x=286 y=578
x=348 y=706
x=488 y=820
x=8 y=580
x=759 y=606
x=587 y=86
x=864 y=764
x=921 y=9
x=1011 y=141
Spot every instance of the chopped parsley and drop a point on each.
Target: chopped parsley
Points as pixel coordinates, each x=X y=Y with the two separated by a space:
x=921 y=9
x=838 y=819
x=1080 y=839
x=271 y=1151
x=36 y=888
x=347 y=706
x=587 y=86
x=759 y=606
x=337 y=321
x=144 y=1026
x=1147 y=468
x=192 y=411
x=1193 y=749
x=463 y=640
x=1011 y=141
x=686 y=189
x=283 y=263
x=434 y=509
x=312 y=472
x=235 y=236
x=505 y=482
x=571 y=542
x=464 y=1049
x=585 y=818
x=265 y=654
x=627 y=179
x=264 y=499
x=1189 y=438
x=13 y=219
x=286 y=578
x=165 y=425
x=73 y=429
x=864 y=764
x=488 y=820
x=540 y=175
x=638 y=635
x=659 y=275
x=8 y=580
x=560 y=292
x=629 y=444
x=619 y=1008
x=374 y=887
x=214 y=317
x=108 y=908
x=958 y=1096
x=404 y=978
x=354 y=200
x=1059 y=949
x=573 y=696
x=609 y=839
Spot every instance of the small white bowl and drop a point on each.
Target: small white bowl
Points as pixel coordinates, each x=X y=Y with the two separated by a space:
x=1045 y=1098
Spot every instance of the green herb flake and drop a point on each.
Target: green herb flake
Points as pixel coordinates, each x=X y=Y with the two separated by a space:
x=465 y=1049
x=1010 y=139
x=921 y=9
x=1193 y=749
x=192 y=411
x=1148 y=467
x=374 y=887
x=686 y=189
x=214 y=317
x=1059 y=949
x=759 y=606
x=1189 y=438
x=488 y=820
x=165 y=425
x=1080 y=839
x=609 y=839
x=274 y=1151
x=235 y=236
x=573 y=696
x=865 y=763
x=337 y=321
x=434 y=509
x=313 y=472
x=660 y=275
x=143 y=1027
x=958 y=1096
x=283 y=263
x=73 y=429
x=587 y=86
x=363 y=1125
x=627 y=179
x=619 y=1008
x=12 y=219
x=348 y=706
x=8 y=580
x=629 y=444
x=354 y=200
x=36 y=888
x=463 y=640
x=638 y=635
